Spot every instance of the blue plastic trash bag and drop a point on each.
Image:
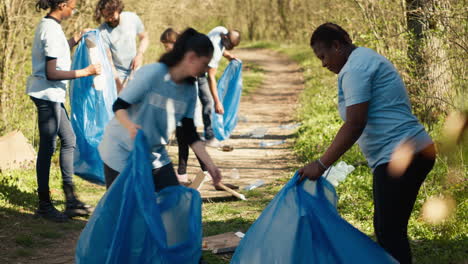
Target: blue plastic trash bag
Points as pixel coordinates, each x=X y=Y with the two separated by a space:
x=91 y=103
x=301 y=225
x=229 y=93
x=134 y=224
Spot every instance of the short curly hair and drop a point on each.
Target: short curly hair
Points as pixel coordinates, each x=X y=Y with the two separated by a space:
x=108 y=5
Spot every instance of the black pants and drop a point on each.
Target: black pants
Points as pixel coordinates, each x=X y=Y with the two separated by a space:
x=162 y=177
x=394 y=198
x=184 y=153
x=53 y=121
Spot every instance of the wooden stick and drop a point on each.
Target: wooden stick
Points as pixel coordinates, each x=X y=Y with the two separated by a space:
x=231 y=191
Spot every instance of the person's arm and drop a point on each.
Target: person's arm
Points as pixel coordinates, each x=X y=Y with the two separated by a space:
x=199 y=148
x=214 y=90
x=144 y=43
x=56 y=75
x=120 y=110
x=349 y=133
x=118 y=83
x=190 y=137
x=77 y=37
x=229 y=55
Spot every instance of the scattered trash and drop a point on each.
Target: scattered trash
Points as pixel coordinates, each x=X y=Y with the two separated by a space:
x=290 y=126
x=235 y=174
x=258 y=132
x=337 y=173
x=239 y=234
x=222 y=243
x=242 y=119
x=264 y=144
x=227 y=148
x=254 y=185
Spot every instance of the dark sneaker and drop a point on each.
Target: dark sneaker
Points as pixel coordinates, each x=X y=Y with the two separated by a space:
x=47 y=211
x=77 y=208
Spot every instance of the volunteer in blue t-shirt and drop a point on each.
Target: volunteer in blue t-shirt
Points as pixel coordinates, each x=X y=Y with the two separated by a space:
x=46 y=87
x=160 y=96
x=119 y=32
x=373 y=102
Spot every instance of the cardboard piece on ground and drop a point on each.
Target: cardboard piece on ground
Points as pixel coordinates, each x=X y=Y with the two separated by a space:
x=222 y=243
x=198 y=181
x=15 y=152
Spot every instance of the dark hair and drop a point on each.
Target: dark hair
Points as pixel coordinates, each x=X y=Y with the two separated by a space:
x=46 y=4
x=169 y=36
x=108 y=5
x=329 y=32
x=190 y=40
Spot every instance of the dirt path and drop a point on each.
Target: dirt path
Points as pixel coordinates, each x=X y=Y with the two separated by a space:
x=267 y=108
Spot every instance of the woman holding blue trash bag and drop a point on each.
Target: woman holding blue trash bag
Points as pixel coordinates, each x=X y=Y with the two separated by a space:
x=161 y=95
x=47 y=88
x=374 y=105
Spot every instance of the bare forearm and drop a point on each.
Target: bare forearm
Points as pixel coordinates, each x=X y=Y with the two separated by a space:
x=199 y=148
x=343 y=141
x=213 y=88
x=144 y=43
x=57 y=75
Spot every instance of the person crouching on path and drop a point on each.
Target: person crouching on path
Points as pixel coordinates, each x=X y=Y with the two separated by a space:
x=374 y=105
x=160 y=96
x=51 y=64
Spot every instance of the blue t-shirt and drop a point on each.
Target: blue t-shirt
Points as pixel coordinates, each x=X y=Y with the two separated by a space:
x=369 y=77
x=157 y=105
x=215 y=37
x=49 y=41
x=121 y=41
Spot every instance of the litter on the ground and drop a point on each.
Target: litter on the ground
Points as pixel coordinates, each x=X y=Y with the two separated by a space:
x=290 y=126
x=227 y=148
x=258 y=132
x=222 y=243
x=254 y=185
x=264 y=144
x=242 y=119
x=231 y=191
x=235 y=174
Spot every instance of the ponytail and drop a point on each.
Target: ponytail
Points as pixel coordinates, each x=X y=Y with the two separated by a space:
x=189 y=40
x=46 y=4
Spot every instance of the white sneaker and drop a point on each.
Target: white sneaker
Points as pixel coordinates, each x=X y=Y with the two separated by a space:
x=213 y=143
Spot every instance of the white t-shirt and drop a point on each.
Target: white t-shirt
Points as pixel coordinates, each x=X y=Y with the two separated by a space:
x=49 y=41
x=215 y=37
x=121 y=41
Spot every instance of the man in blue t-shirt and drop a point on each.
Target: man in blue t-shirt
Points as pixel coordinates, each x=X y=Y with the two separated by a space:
x=119 y=32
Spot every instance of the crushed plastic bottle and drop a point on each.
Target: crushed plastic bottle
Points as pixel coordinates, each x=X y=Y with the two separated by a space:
x=290 y=126
x=337 y=173
x=235 y=174
x=258 y=132
x=254 y=185
x=264 y=144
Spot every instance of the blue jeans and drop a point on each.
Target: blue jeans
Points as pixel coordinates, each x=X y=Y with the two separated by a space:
x=53 y=121
x=207 y=105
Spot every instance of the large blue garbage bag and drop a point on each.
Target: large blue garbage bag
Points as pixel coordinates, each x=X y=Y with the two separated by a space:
x=301 y=225
x=229 y=93
x=91 y=107
x=134 y=224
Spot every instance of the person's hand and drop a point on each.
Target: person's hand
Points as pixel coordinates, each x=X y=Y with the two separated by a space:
x=219 y=109
x=132 y=129
x=94 y=69
x=137 y=62
x=78 y=35
x=311 y=171
x=215 y=175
